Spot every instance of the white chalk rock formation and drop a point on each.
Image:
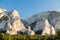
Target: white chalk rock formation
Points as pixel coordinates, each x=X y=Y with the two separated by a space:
x=14 y=24
x=2 y=12
x=52 y=31
x=48 y=29
x=30 y=32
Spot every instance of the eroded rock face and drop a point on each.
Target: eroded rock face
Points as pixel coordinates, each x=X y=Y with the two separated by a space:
x=52 y=16
x=2 y=10
x=39 y=25
x=37 y=21
x=45 y=21
x=30 y=32
x=53 y=31
x=3 y=19
x=48 y=29
x=14 y=24
x=11 y=23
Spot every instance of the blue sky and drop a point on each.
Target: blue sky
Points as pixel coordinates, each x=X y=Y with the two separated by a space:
x=27 y=8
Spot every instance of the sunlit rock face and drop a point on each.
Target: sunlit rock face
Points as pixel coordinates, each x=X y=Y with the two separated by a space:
x=37 y=21
x=3 y=19
x=52 y=16
x=36 y=17
x=48 y=29
x=52 y=30
x=3 y=12
x=14 y=24
x=11 y=22
x=30 y=32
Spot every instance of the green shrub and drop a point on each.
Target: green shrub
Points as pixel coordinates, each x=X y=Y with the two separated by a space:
x=29 y=37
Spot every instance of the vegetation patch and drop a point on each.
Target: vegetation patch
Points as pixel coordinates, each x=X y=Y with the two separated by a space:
x=29 y=37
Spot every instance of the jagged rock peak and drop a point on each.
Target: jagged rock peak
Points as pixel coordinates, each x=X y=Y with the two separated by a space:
x=46 y=22
x=39 y=21
x=53 y=31
x=14 y=23
x=14 y=13
x=2 y=10
x=48 y=29
x=41 y=24
x=30 y=32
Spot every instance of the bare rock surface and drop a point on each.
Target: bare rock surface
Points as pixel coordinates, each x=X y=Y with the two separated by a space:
x=14 y=23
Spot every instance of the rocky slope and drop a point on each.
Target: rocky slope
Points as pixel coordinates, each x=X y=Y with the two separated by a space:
x=52 y=16
x=14 y=23
x=37 y=21
x=48 y=29
x=10 y=22
x=42 y=23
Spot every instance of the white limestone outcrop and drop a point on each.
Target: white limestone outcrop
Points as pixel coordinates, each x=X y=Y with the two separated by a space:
x=53 y=31
x=14 y=24
x=30 y=32
x=48 y=29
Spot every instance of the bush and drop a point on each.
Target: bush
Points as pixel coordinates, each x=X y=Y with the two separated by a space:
x=29 y=37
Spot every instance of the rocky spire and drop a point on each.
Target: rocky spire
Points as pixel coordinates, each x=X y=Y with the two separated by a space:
x=14 y=23
x=52 y=30
x=30 y=32
x=46 y=23
x=2 y=10
x=48 y=28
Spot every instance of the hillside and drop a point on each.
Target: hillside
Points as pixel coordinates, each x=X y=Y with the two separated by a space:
x=11 y=23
